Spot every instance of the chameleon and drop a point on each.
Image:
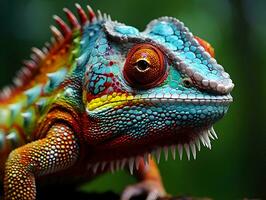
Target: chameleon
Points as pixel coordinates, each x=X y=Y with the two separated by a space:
x=103 y=96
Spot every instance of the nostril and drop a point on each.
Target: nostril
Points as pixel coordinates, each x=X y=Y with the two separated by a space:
x=187 y=82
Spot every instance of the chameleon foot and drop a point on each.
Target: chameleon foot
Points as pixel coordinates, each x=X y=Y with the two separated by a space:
x=153 y=190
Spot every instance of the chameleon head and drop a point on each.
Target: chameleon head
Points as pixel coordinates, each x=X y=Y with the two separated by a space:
x=159 y=87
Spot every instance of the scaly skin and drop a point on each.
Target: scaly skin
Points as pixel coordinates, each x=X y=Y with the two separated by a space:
x=102 y=96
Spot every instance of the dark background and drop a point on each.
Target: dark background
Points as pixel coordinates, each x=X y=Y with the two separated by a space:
x=235 y=167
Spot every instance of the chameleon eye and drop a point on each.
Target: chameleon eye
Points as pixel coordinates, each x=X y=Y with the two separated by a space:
x=144 y=67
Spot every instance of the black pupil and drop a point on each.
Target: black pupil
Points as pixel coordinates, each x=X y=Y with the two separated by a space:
x=142 y=65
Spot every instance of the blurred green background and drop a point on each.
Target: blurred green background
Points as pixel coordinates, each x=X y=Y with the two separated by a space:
x=235 y=168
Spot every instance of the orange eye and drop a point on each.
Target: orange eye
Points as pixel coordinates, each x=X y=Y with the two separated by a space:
x=144 y=67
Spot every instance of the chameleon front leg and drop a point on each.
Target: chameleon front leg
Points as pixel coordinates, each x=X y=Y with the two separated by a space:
x=150 y=183
x=58 y=150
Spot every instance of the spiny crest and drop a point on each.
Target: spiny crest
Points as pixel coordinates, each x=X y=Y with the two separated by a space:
x=60 y=36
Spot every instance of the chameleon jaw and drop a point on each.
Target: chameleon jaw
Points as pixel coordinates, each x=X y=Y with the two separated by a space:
x=114 y=100
x=204 y=138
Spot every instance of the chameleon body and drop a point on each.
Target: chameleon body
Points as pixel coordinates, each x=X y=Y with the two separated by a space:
x=103 y=96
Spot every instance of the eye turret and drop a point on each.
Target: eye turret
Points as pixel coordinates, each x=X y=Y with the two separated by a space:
x=144 y=67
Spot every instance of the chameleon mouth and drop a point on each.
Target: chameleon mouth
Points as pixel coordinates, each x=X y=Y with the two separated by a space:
x=157 y=98
x=224 y=99
x=132 y=163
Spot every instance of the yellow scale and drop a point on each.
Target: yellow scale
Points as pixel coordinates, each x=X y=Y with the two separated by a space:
x=110 y=101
